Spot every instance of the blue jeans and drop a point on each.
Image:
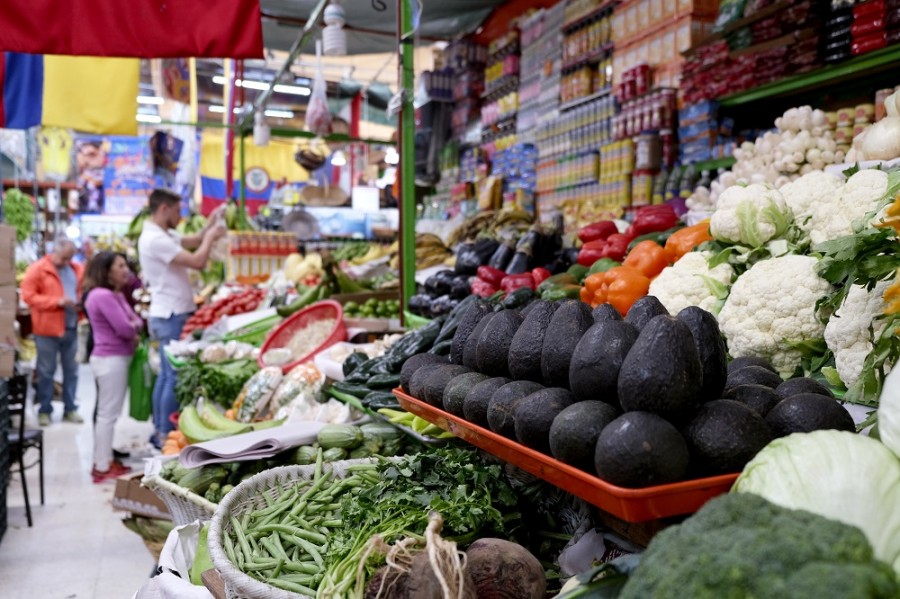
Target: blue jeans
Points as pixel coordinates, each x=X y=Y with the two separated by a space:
x=165 y=330
x=47 y=350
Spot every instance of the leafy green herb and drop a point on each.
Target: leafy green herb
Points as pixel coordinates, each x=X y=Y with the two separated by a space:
x=473 y=498
x=18 y=211
x=220 y=383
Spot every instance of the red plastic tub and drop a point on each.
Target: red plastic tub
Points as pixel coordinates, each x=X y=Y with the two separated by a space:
x=285 y=331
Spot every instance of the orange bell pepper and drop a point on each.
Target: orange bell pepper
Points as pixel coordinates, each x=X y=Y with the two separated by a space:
x=685 y=240
x=648 y=257
x=620 y=286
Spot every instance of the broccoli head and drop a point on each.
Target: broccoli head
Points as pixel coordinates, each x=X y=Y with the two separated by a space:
x=741 y=546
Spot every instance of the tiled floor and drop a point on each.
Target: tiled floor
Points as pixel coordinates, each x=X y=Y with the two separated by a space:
x=78 y=547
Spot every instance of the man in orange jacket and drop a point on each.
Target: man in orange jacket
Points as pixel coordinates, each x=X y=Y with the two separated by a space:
x=50 y=288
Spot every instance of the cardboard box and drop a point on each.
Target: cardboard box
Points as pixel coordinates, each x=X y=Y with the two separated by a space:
x=7 y=361
x=7 y=255
x=130 y=496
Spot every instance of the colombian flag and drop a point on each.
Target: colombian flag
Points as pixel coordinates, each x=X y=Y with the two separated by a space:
x=265 y=168
x=93 y=95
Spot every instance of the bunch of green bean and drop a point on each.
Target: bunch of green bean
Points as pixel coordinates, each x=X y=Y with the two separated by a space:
x=282 y=544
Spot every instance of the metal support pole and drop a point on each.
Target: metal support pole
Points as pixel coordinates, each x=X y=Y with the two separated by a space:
x=242 y=212
x=263 y=98
x=407 y=154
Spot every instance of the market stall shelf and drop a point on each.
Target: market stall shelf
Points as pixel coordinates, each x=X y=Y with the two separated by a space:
x=631 y=505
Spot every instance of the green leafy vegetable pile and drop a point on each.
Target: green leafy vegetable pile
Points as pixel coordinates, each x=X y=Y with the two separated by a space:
x=473 y=497
x=18 y=211
x=220 y=383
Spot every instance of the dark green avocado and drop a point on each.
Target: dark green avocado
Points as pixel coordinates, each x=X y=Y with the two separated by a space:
x=420 y=377
x=662 y=372
x=433 y=389
x=800 y=385
x=643 y=311
x=605 y=312
x=639 y=449
x=569 y=323
x=808 y=412
x=711 y=349
x=471 y=346
x=752 y=375
x=501 y=414
x=525 y=350
x=724 y=435
x=598 y=357
x=574 y=432
x=467 y=324
x=475 y=405
x=414 y=363
x=457 y=389
x=492 y=350
x=759 y=398
x=745 y=361
x=535 y=415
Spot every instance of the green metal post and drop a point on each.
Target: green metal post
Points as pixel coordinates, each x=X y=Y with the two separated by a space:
x=407 y=155
x=242 y=213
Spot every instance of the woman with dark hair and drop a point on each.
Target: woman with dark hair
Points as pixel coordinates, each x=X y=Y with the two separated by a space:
x=115 y=329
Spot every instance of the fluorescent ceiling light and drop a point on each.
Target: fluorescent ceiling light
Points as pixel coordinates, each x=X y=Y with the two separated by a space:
x=274 y=113
x=150 y=100
x=281 y=114
x=295 y=90
x=148 y=118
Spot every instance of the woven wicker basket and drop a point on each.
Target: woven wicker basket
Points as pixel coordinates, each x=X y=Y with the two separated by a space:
x=185 y=506
x=248 y=496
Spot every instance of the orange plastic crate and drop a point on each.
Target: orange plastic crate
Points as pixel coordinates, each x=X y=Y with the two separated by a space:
x=631 y=505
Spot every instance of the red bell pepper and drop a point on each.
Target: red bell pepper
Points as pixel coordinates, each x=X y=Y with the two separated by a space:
x=491 y=275
x=540 y=275
x=654 y=219
x=616 y=247
x=597 y=231
x=482 y=288
x=512 y=282
x=591 y=252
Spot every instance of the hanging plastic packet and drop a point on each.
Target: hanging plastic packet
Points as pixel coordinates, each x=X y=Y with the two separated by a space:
x=318 y=117
x=219 y=250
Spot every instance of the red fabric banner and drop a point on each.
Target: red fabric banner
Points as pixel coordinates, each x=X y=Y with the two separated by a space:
x=134 y=28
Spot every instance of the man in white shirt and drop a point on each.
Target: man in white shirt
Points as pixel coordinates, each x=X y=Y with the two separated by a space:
x=165 y=259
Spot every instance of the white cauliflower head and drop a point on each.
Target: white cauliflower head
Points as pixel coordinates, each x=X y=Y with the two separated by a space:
x=750 y=215
x=858 y=196
x=847 y=331
x=772 y=307
x=813 y=199
x=690 y=282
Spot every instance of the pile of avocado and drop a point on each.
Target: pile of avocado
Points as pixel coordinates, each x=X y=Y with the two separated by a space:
x=646 y=400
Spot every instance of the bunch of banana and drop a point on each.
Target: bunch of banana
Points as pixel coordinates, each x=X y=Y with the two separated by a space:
x=192 y=224
x=375 y=252
x=430 y=251
x=149 y=529
x=137 y=224
x=470 y=227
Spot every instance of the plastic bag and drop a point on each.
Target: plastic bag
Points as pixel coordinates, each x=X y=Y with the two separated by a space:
x=140 y=383
x=318 y=117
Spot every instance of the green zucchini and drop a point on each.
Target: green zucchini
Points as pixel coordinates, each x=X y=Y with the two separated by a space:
x=335 y=454
x=305 y=455
x=198 y=480
x=344 y=436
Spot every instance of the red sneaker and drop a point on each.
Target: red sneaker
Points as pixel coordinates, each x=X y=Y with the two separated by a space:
x=116 y=469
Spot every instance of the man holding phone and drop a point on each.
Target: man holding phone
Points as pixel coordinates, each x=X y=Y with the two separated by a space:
x=50 y=288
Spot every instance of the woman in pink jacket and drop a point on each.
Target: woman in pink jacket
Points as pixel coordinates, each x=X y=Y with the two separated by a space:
x=116 y=329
